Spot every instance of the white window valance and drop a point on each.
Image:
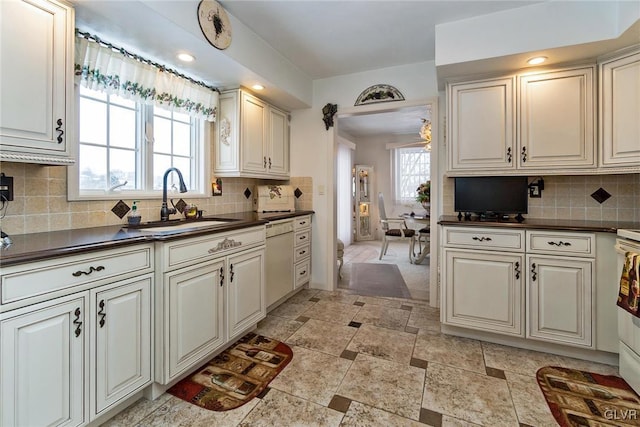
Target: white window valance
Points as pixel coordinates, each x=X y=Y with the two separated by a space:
x=103 y=68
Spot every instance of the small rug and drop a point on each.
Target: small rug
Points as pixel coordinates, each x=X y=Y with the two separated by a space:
x=381 y=280
x=236 y=375
x=584 y=399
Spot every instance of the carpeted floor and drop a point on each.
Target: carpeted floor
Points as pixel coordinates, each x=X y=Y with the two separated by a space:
x=383 y=280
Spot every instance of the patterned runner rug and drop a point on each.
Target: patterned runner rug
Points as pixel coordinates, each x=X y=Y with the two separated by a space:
x=584 y=399
x=236 y=375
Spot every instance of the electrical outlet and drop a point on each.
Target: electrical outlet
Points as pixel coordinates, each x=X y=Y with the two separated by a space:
x=6 y=188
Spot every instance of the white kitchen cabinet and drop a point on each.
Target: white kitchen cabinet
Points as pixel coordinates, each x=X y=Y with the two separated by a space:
x=195 y=315
x=556 y=119
x=482 y=125
x=245 y=296
x=253 y=138
x=57 y=354
x=36 y=107
x=620 y=109
x=43 y=364
x=302 y=251
x=122 y=341
x=483 y=290
x=559 y=299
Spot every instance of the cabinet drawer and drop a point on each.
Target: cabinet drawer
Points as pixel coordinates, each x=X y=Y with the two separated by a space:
x=302 y=222
x=29 y=280
x=189 y=251
x=302 y=272
x=301 y=252
x=302 y=238
x=565 y=243
x=477 y=237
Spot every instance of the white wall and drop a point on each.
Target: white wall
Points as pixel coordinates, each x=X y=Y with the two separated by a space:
x=312 y=146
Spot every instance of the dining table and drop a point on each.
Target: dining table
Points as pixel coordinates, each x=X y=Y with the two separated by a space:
x=421 y=224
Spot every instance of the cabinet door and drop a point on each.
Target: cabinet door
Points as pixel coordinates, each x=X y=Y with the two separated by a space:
x=42 y=369
x=619 y=111
x=227 y=146
x=245 y=291
x=195 y=319
x=484 y=290
x=481 y=125
x=278 y=158
x=560 y=294
x=122 y=341
x=253 y=134
x=555 y=119
x=33 y=110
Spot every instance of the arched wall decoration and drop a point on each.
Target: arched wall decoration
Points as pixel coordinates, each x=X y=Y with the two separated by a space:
x=379 y=93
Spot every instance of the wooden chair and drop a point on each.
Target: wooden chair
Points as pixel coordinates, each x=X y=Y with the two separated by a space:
x=394 y=229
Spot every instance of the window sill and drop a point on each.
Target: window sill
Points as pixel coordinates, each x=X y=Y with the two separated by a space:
x=132 y=195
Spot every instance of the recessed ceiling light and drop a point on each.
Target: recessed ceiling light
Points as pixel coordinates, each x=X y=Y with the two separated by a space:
x=257 y=87
x=536 y=60
x=186 y=57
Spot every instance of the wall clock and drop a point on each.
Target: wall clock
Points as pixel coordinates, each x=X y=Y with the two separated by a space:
x=214 y=23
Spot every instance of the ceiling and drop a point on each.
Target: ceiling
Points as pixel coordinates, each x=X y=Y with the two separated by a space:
x=404 y=122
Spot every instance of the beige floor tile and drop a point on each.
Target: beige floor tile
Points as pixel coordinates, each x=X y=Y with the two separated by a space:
x=585 y=365
x=338 y=295
x=383 y=343
x=380 y=301
x=385 y=385
x=278 y=328
x=468 y=396
x=282 y=409
x=292 y=310
x=303 y=296
x=330 y=311
x=449 y=350
x=518 y=360
x=530 y=404
x=136 y=412
x=312 y=375
x=384 y=317
x=360 y=415
x=424 y=317
x=330 y=338
x=455 y=422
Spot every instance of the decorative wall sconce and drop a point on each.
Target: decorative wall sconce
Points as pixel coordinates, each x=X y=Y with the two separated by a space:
x=328 y=112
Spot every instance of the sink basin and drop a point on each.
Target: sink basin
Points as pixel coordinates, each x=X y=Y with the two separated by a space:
x=176 y=226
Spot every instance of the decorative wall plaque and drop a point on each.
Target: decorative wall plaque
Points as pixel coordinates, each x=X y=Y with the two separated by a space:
x=379 y=93
x=214 y=23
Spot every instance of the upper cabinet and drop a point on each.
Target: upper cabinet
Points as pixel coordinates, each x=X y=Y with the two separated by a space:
x=620 y=110
x=36 y=107
x=545 y=122
x=253 y=138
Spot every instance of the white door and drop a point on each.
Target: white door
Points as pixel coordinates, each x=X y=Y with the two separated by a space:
x=33 y=79
x=481 y=125
x=245 y=291
x=278 y=159
x=556 y=120
x=620 y=109
x=195 y=314
x=253 y=125
x=559 y=294
x=484 y=290
x=42 y=370
x=122 y=328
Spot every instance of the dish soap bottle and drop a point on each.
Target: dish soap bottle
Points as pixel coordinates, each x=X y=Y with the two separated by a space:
x=134 y=217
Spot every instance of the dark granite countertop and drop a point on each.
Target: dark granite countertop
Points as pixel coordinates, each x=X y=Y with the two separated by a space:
x=542 y=223
x=52 y=244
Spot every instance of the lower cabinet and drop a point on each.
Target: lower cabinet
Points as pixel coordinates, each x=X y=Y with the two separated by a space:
x=483 y=290
x=85 y=351
x=559 y=294
x=245 y=299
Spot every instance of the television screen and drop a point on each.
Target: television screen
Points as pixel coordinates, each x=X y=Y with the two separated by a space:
x=491 y=195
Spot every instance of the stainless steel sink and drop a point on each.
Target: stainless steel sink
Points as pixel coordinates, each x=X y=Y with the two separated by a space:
x=169 y=227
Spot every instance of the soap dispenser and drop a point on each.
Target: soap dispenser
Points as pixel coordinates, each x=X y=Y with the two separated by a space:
x=134 y=217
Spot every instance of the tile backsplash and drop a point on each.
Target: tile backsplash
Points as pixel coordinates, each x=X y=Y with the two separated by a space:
x=569 y=197
x=40 y=201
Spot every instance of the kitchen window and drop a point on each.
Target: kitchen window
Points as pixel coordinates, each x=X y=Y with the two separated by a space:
x=412 y=166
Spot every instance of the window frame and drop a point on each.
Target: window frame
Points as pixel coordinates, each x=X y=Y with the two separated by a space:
x=201 y=135
x=396 y=172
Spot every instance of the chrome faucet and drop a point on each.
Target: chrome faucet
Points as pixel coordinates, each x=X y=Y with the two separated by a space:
x=165 y=211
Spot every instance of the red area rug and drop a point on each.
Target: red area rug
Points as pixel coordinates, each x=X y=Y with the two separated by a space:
x=584 y=399
x=236 y=375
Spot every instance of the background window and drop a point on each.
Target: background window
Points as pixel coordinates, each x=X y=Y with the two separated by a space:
x=412 y=167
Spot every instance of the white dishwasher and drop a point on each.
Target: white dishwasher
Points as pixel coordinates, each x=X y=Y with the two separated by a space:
x=279 y=259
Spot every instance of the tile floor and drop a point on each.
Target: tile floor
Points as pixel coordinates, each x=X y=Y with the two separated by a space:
x=367 y=361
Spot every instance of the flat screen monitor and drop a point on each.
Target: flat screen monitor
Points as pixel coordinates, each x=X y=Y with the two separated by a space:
x=500 y=195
